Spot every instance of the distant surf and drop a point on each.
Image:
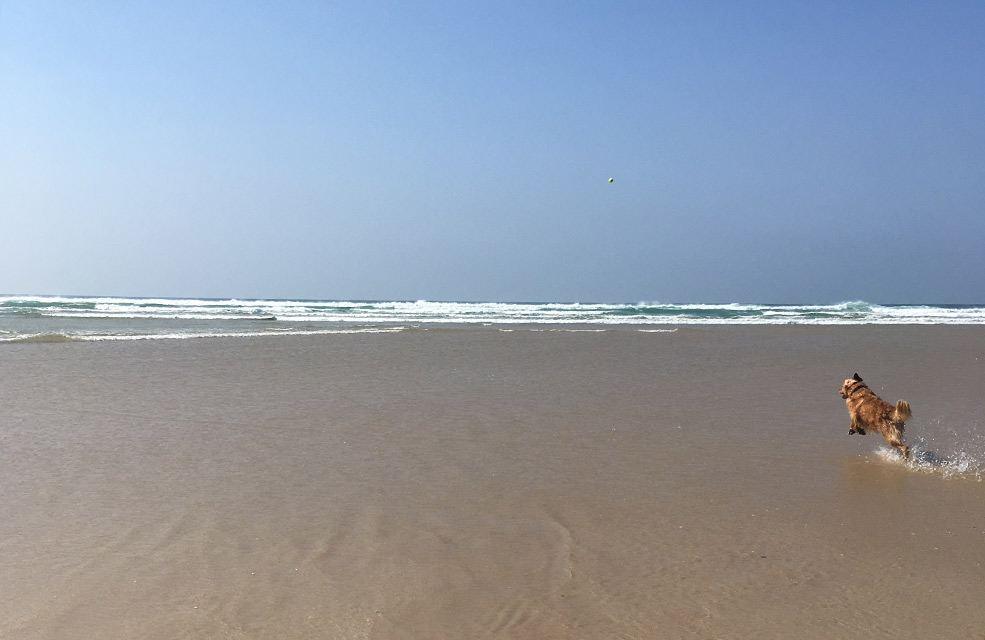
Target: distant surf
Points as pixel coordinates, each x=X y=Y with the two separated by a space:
x=67 y=318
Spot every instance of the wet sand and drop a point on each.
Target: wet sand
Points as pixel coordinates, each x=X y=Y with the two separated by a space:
x=478 y=483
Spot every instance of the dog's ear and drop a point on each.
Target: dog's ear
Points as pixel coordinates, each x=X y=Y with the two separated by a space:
x=857 y=378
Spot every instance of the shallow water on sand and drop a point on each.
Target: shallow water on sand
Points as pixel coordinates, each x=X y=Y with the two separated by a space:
x=489 y=484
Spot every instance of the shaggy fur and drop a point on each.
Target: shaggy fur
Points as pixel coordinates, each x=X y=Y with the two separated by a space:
x=869 y=411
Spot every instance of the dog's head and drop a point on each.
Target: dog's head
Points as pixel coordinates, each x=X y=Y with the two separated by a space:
x=848 y=386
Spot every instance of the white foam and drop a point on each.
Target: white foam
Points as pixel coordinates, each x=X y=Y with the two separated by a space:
x=191 y=335
x=425 y=311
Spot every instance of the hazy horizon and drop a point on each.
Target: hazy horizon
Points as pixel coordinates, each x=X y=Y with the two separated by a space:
x=709 y=303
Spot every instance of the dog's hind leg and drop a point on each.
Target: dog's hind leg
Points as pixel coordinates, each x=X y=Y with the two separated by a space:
x=896 y=441
x=905 y=450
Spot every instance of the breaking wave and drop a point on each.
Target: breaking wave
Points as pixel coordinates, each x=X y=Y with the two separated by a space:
x=66 y=319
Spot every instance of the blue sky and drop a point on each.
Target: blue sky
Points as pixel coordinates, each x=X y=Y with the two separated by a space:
x=760 y=151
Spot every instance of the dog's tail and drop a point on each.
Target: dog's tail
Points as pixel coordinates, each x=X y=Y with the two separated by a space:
x=902 y=413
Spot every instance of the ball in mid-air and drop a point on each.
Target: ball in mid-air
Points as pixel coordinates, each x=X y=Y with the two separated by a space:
x=610 y=179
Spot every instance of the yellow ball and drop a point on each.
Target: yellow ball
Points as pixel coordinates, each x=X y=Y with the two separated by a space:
x=610 y=179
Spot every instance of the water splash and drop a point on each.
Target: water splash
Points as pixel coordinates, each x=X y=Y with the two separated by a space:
x=963 y=460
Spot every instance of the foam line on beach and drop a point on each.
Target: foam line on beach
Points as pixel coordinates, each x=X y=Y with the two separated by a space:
x=61 y=337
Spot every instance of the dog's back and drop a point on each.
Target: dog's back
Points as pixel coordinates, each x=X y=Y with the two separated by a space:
x=873 y=411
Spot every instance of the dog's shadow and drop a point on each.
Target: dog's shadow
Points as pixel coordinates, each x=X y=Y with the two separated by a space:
x=919 y=458
x=927 y=458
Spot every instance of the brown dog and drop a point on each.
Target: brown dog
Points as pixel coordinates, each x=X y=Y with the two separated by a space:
x=867 y=410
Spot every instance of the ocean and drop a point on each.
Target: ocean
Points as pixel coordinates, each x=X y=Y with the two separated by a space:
x=52 y=319
x=385 y=470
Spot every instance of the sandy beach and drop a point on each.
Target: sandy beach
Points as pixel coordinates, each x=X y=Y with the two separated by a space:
x=482 y=483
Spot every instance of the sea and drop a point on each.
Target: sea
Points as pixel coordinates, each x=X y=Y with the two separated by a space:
x=267 y=469
x=69 y=318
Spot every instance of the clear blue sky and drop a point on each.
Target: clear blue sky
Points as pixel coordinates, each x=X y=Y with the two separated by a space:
x=760 y=151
